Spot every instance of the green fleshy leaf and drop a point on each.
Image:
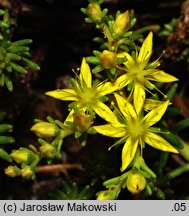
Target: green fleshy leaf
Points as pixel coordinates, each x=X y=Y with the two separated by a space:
x=5 y=128
x=179 y=126
x=22 y=42
x=173 y=140
x=6 y=140
x=13 y=56
x=31 y=64
x=170 y=94
x=8 y=83
x=172 y=111
x=4 y=155
x=18 y=49
x=18 y=68
x=93 y=60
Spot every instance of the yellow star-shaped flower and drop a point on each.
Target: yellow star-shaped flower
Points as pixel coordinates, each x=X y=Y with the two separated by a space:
x=140 y=73
x=134 y=130
x=87 y=96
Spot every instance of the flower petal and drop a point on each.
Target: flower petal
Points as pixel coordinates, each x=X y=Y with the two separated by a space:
x=155 y=115
x=110 y=87
x=139 y=97
x=151 y=104
x=70 y=116
x=128 y=152
x=106 y=88
x=161 y=76
x=122 y=55
x=158 y=142
x=129 y=61
x=63 y=94
x=85 y=74
x=146 y=49
x=104 y=112
x=125 y=107
x=122 y=81
x=111 y=131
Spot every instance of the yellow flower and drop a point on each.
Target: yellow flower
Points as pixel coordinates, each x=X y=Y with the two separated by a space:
x=135 y=130
x=87 y=97
x=140 y=73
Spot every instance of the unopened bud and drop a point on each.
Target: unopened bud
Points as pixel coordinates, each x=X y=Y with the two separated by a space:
x=45 y=129
x=108 y=59
x=121 y=23
x=48 y=151
x=81 y=121
x=23 y=155
x=107 y=195
x=94 y=12
x=12 y=171
x=27 y=172
x=136 y=182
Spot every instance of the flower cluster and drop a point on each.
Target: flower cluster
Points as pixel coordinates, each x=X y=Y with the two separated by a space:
x=133 y=116
x=127 y=121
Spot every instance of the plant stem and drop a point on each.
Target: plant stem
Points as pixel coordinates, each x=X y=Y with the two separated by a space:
x=107 y=33
x=56 y=168
x=178 y=171
x=185 y=151
x=173 y=174
x=115 y=180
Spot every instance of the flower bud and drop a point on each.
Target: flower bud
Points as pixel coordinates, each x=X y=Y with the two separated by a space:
x=108 y=59
x=27 y=172
x=94 y=12
x=107 y=195
x=12 y=171
x=136 y=182
x=121 y=23
x=23 y=155
x=48 y=151
x=81 y=121
x=45 y=129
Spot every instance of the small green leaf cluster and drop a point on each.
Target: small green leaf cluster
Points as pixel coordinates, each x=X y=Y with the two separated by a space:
x=135 y=180
x=14 y=56
x=51 y=134
x=168 y=28
x=118 y=36
x=50 y=138
x=70 y=191
x=5 y=138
